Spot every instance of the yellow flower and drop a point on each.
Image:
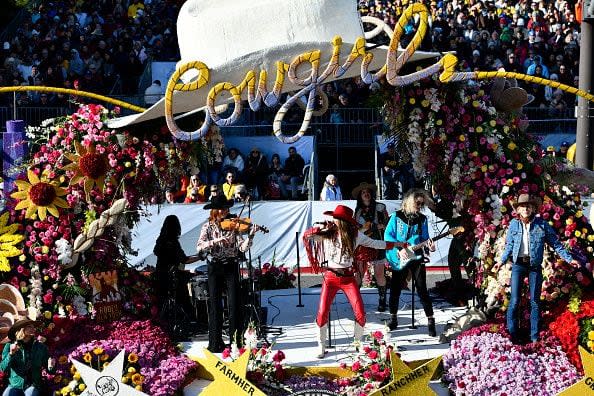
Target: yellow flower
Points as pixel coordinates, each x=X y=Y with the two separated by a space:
x=591 y=335
x=87 y=357
x=509 y=182
x=98 y=351
x=57 y=379
x=475 y=103
x=48 y=315
x=479 y=129
x=138 y=387
x=503 y=209
x=425 y=103
x=44 y=249
x=439 y=122
x=137 y=379
x=104 y=357
x=76 y=376
x=506 y=129
x=591 y=238
x=62 y=359
x=87 y=165
x=484 y=168
x=39 y=196
x=124 y=380
x=493 y=123
x=519 y=166
x=579 y=214
x=412 y=101
x=82 y=387
x=578 y=233
x=132 y=358
x=512 y=146
x=8 y=240
x=131 y=370
x=461 y=138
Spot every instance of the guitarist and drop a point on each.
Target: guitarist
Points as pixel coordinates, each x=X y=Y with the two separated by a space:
x=372 y=218
x=409 y=225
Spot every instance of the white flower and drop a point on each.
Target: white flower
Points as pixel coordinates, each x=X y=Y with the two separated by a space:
x=64 y=250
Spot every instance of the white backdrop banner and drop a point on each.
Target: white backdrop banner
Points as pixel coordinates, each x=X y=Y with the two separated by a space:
x=284 y=219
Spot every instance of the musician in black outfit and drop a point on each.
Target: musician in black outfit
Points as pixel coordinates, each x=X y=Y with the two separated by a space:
x=225 y=247
x=170 y=261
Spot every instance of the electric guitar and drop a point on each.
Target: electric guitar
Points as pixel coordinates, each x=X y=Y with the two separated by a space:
x=414 y=250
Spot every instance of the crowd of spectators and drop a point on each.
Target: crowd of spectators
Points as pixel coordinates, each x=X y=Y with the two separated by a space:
x=100 y=46
x=538 y=38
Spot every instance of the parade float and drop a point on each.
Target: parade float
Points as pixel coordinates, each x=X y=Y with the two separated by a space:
x=65 y=231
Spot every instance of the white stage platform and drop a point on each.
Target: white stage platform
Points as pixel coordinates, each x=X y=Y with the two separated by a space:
x=298 y=338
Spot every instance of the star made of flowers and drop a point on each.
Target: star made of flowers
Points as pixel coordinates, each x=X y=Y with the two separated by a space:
x=39 y=196
x=107 y=382
x=406 y=381
x=88 y=165
x=8 y=240
x=586 y=385
x=229 y=378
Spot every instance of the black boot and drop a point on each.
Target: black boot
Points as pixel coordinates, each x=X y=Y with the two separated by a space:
x=381 y=291
x=393 y=323
x=431 y=327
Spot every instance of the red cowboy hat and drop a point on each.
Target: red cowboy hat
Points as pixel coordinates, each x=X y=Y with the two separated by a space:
x=343 y=213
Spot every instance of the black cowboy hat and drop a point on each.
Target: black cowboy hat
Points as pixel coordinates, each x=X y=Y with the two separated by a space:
x=219 y=202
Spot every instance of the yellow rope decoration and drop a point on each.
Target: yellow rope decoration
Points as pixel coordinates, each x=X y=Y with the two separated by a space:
x=67 y=91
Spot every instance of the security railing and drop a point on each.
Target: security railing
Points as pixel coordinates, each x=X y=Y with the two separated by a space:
x=348 y=125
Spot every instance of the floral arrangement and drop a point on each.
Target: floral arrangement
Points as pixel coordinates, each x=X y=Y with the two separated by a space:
x=153 y=363
x=371 y=366
x=572 y=326
x=484 y=361
x=274 y=276
x=472 y=151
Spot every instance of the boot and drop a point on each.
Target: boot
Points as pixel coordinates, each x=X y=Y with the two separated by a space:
x=394 y=322
x=358 y=337
x=381 y=291
x=431 y=327
x=322 y=336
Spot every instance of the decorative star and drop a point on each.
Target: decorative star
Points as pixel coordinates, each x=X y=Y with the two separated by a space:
x=406 y=381
x=586 y=385
x=107 y=382
x=229 y=378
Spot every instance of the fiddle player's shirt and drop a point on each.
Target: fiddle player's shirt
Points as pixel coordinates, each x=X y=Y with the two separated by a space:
x=337 y=257
x=221 y=250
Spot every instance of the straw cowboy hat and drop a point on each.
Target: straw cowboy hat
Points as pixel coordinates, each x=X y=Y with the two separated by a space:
x=363 y=186
x=525 y=199
x=234 y=36
x=342 y=212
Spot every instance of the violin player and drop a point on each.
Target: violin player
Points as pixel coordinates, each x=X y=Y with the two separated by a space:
x=224 y=246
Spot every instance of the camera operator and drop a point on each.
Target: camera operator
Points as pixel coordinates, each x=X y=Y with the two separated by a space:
x=23 y=359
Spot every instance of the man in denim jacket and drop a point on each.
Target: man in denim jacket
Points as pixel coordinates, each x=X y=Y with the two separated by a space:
x=525 y=241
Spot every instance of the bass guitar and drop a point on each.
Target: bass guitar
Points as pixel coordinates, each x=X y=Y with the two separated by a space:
x=414 y=250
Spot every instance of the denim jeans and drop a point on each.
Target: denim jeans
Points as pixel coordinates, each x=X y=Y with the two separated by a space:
x=30 y=391
x=519 y=272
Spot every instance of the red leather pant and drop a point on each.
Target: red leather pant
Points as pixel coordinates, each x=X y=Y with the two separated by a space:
x=332 y=284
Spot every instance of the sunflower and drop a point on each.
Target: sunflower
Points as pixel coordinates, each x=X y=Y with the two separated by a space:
x=132 y=357
x=39 y=196
x=7 y=241
x=137 y=379
x=87 y=165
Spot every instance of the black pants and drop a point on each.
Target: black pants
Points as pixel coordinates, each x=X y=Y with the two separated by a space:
x=419 y=274
x=458 y=255
x=223 y=274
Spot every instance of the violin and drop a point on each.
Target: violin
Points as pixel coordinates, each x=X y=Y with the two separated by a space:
x=241 y=225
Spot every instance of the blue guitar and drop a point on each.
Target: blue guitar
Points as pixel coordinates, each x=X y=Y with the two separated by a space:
x=414 y=251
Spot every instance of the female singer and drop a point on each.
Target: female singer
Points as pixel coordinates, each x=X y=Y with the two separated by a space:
x=331 y=247
x=372 y=218
x=224 y=247
x=405 y=225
